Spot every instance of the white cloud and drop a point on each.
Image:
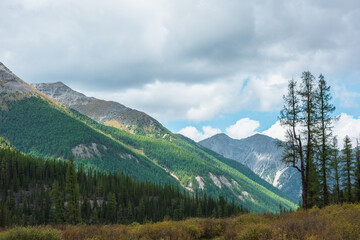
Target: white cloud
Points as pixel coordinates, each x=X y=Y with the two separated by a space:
x=199 y=102
x=177 y=101
x=243 y=128
x=121 y=48
x=276 y=131
x=194 y=134
x=348 y=99
x=347 y=125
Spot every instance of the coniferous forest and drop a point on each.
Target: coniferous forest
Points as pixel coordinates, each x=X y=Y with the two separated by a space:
x=36 y=192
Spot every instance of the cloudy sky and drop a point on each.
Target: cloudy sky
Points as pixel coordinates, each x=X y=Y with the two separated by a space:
x=200 y=67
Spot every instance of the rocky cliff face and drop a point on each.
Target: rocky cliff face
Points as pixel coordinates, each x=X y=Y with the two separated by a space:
x=13 y=88
x=10 y=83
x=106 y=112
x=261 y=154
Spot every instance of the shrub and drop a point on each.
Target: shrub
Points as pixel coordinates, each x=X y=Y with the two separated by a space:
x=256 y=232
x=31 y=233
x=194 y=231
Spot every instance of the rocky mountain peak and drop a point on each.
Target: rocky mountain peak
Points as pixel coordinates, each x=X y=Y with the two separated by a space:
x=107 y=112
x=221 y=135
x=4 y=68
x=261 y=137
x=60 y=92
x=262 y=155
x=10 y=83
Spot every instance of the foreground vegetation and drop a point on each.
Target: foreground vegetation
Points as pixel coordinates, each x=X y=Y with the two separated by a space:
x=330 y=223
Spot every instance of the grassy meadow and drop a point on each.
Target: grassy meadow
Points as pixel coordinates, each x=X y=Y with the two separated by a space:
x=330 y=223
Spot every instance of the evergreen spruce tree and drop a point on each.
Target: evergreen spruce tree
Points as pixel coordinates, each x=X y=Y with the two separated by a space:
x=348 y=167
x=85 y=209
x=121 y=216
x=357 y=171
x=111 y=212
x=199 y=211
x=325 y=109
x=293 y=154
x=309 y=118
x=182 y=209
x=95 y=219
x=142 y=209
x=176 y=214
x=130 y=212
x=219 y=211
x=226 y=211
x=335 y=167
x=214 y=213
x=58 y=204
x=314 y=186
x=72 y=195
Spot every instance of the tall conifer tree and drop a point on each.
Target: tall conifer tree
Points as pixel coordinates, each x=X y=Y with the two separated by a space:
x=357 y=171
x=335 y=167
x=309 y=119
x=58 y=203
x=293 y=147
x=325 y=109
x=72 y=194
x=348 y=167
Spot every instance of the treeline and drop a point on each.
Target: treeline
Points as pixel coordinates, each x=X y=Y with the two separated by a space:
x=34 y=191
x=329 y=173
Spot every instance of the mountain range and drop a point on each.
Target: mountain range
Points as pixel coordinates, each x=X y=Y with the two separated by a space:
x=107 y=136
x=263 y=156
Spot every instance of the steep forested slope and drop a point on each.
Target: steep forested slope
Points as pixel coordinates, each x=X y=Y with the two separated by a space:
x=42 y=127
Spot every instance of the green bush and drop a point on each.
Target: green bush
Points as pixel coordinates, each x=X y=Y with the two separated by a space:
x=31 y=233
